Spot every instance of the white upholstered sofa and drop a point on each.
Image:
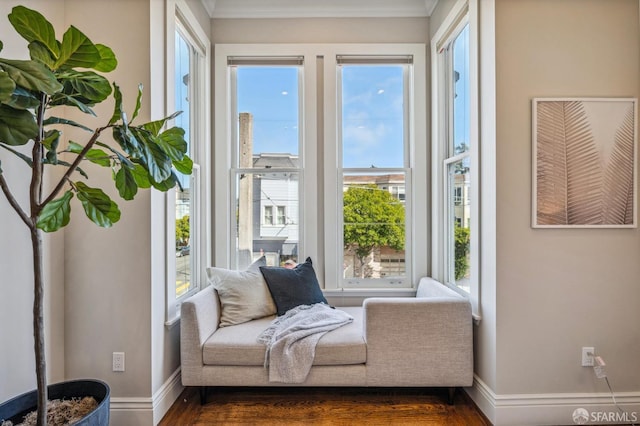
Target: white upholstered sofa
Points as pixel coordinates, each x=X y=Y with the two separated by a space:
x=422 y=341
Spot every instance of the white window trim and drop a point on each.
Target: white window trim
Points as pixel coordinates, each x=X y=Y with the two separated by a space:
x=178 y=11
x=320 y=236
x=483 y=145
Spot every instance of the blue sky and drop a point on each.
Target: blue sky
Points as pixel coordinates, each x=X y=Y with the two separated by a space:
x=372 y=109
x=271 y=95
x=372 y=114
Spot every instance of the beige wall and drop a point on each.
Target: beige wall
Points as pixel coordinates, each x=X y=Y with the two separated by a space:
x=321 y=30
x=559 y=290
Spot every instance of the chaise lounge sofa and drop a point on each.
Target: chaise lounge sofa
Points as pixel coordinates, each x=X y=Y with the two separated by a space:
x=421 y=341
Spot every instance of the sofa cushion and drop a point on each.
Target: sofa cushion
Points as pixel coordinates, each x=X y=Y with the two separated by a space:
x=243 y=294
x=293 y=287
x=238 y=345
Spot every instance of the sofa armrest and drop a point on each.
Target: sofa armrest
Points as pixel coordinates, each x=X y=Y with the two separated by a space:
x=422 y=341
x=199 y=319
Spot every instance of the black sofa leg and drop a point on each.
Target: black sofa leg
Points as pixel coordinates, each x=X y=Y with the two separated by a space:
x=452 y=394
x=203 y=395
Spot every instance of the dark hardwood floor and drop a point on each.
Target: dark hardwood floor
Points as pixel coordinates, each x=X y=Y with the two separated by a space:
x=323 y=406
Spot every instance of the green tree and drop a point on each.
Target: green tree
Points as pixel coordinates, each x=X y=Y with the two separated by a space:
x=372 y=218
x=182 y=230
x=462 y=239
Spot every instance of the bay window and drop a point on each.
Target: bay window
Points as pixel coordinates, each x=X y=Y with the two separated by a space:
x=319 y=152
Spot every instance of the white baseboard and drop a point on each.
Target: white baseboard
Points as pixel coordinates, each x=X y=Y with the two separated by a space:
x=554 y=409
x=146 y=411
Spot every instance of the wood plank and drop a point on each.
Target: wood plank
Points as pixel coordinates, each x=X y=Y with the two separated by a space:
x=323 y=406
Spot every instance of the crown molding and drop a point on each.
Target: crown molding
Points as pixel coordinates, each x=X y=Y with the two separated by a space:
x=318 y=9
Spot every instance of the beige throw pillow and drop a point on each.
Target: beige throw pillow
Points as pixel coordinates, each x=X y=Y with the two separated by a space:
x=244 y=295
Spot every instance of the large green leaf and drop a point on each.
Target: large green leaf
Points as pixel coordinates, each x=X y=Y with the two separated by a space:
x=32 y=26
x=86 y=86
x=18 y=154
x=157 y=161
x=141 y=175
x=127 y=141
x=31 y=75
x=51 y=141
x=99 y=208
x=118 y=111
x=172 y=142
x=77 y=51
x=126 y=183
x=64 y=99
x=168 y=183
x=58 y=120
x=23 y=99
x=184 y=166
x=7 y=86
x=155 y=126
x=108 y=61
x=138 y=103
x=96 y=156
x=40 y=52
x=56 y=214
x=17 y=127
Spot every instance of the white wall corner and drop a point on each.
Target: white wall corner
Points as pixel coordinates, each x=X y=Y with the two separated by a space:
x=554 y=409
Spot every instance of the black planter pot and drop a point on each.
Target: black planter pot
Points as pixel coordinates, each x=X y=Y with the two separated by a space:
x=15 y=409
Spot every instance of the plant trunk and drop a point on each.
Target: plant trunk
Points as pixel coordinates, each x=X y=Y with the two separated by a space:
x=38 y=324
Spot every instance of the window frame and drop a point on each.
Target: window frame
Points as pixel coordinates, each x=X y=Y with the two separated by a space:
x=181 y=19
x=320 y=232
x=464 y=12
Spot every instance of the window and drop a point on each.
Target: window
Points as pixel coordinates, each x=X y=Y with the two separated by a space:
x=455 y=151
x=266 y=164
x=268 y=215
x=186 y=198
x=308 y=135
x=282 y=217
x=375 y=157
x=186 y=207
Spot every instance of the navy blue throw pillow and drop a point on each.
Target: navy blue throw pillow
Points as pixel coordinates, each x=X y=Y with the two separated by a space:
x=293 y=287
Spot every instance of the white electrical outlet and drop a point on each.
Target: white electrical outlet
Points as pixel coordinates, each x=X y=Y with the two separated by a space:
x=118 y=361
x=587 y=356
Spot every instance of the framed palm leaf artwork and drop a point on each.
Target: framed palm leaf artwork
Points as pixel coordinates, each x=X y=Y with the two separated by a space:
x=584 y=171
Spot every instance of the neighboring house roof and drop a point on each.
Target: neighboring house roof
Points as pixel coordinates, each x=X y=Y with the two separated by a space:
x=275 y=160
x=375 y=179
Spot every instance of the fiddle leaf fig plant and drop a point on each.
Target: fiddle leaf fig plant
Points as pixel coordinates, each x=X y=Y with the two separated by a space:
x=35 y=98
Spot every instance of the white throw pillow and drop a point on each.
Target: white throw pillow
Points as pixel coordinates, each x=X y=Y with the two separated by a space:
x=244 y=295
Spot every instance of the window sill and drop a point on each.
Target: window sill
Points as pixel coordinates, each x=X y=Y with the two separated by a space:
x=169 y=324
x=370 y=292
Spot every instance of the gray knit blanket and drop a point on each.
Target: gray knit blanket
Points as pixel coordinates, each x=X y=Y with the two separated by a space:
x=292 y=338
